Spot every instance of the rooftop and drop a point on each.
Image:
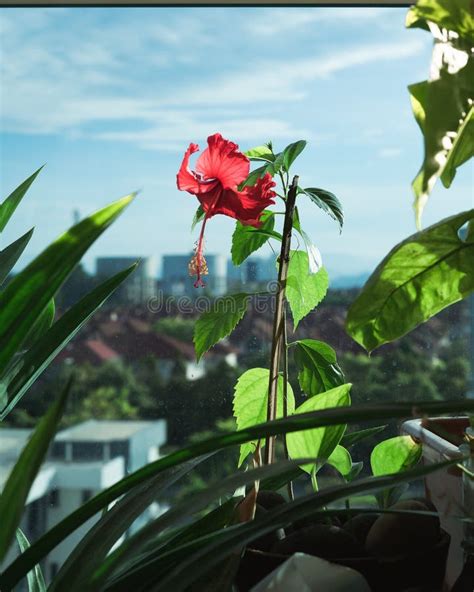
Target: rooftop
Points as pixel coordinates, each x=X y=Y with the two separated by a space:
x=103 y=430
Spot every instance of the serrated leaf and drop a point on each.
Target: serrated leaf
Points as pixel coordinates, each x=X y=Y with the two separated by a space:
x=420 y=276
x=319 y=442
x=341 y=460
x=318 y=370
x=250 y=403
x=8 y=207
x=248 y=239
x=304 y=291
x=216 y=324
x=35 y=577
x=10 y=255
x=395 y=455
x=198 y=216
x=327 y=201
x=260 y=153
x=291 y=153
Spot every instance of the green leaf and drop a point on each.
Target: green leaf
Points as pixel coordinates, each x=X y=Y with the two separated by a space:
x=318 y=370
x=94 y=547
x=35 y=577
x=352 y=438
x=274 y=167
x=445 y=115
x=26 y=370
x=28 y=294
x=395 y=455
x=319 y=442
x=247 y=239
x=42 y=324
x=253 y=177
x=23 y=474
x=209 y=550
x=304 y=291
x=297 y=422
x=260 y=153
x=10 y=255
x=214 y=325
x=198 y=216
x=11 y=203
x=291 y=153
x=453 y=15
x=327 y=201
x=250 y=403
x=178 y=514
x=341 y=460
x=420 y=276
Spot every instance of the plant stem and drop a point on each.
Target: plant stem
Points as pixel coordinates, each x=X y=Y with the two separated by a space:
x=278 y=317
x=284 y=345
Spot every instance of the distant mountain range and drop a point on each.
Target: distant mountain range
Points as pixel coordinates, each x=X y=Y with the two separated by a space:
x=349 y=281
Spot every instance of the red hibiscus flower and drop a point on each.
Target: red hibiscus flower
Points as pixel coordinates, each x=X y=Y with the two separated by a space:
x=218 y=172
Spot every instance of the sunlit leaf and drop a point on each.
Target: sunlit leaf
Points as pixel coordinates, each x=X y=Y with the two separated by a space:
x=30 y=291
x=319 y=442
x=214 y=325
x=453 y=15
x=318 y=370
x=291 y=153
x=248 y=239
x=394 y=455
x=11 y=203
x=341 y=460
x=304 y=291
x=420 y=276
x=260 y=153
x=250 y=403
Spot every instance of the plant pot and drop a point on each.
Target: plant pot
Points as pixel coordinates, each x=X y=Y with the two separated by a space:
x=441 y=439
x=422 y=571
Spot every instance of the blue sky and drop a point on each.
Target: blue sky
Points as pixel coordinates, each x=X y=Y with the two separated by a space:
x=110 y=98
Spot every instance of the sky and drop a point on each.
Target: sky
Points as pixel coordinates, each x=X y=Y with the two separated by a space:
x=110 y=98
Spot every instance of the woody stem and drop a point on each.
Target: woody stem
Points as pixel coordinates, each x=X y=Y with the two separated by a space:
x=278 y=319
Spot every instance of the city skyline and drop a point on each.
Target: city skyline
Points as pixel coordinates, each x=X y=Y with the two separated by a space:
x=111 y=111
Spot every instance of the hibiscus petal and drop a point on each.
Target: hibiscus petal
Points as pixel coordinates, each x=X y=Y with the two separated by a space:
x=222 y=161
x=247 y=206
x=185 y=179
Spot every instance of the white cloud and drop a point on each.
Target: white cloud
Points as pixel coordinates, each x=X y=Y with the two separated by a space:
x=281 y=21
x=81 y=80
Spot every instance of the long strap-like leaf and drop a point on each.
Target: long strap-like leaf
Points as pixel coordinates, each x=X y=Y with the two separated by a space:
x=18 y=485
x=23 y=564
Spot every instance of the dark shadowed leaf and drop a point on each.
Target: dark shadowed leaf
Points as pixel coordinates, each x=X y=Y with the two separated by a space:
x=327 y=201
x=20 y=480
x=35 y=577
x=10 y=255
x=11 y=203
x=198 y=216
